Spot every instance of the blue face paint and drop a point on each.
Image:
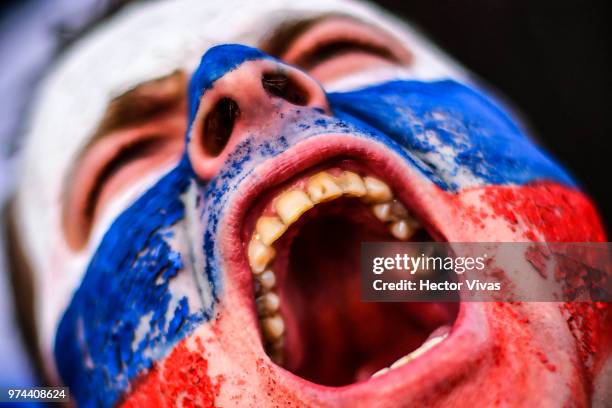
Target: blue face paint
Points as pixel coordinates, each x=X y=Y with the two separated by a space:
x=215 y=63
x=125 y=286
x=457 y=136
x=454 y=135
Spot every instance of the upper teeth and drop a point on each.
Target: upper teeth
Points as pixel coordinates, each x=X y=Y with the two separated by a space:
x=268 y=303
x=291 y=204
x=270 y=229
x=323 y=187
x=273 y=327
x=401 y=230
x=267 y=280
x=259 y=254
x=352 y=184
x=288 y=207
x=378 y=190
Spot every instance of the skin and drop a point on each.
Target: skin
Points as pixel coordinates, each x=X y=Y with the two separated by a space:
x=67 y=203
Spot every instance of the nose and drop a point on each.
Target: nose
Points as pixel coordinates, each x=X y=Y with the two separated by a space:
x=248 y=97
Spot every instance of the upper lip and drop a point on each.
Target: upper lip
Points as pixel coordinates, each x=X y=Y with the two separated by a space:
x=467 y=340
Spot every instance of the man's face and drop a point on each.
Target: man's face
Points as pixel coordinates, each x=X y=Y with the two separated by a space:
x=194 y=230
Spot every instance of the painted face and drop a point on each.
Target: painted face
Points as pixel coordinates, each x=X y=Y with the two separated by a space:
x=194 y=222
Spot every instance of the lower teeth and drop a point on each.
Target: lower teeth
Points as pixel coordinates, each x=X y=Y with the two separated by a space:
x=412 y=355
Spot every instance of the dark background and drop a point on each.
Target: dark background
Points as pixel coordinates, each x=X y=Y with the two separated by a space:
x=550 y=59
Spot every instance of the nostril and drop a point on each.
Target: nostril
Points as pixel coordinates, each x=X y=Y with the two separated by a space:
x=219 y=124
x=285 y=87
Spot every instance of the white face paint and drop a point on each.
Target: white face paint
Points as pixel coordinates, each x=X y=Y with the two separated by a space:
x=145 y=42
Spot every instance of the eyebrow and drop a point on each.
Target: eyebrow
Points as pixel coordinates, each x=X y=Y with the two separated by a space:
x=142 y=103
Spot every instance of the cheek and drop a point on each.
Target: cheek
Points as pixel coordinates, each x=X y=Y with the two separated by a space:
x=544 y=211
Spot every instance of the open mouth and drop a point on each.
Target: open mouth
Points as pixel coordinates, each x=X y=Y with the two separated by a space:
x=302 y=240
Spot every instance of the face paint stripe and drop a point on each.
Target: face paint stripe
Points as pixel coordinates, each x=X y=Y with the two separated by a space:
x=96 y=347
x=181 y=379
x=215 y=63
x=464 y=139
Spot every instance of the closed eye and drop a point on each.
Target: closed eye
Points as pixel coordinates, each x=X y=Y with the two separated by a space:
x=339 y=46
x=110 y=167
x=141 y=132
x=129 y=154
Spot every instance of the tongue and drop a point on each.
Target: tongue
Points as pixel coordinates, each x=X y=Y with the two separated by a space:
x=333 y=338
